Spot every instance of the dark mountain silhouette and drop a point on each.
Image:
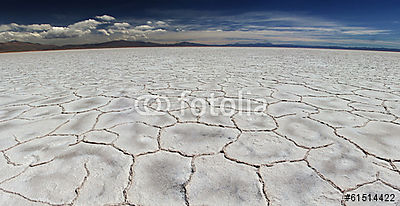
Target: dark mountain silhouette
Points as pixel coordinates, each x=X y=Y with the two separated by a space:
x=185 y=43
x=250 y=45
x=16 y=46
x=337 y=47
x=13 y=46
x=112 y=44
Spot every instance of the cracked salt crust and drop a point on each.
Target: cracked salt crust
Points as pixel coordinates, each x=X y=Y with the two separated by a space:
x=286 y=96
x=375 y=116
x=12 y=99
x=218 y=181
x=159 y=179
x=41 y=112
x=304 y=131
x=286 y=108
x=40 y=150
x=377 y=94
x=254 y=121
x=361 y=99
x=296 y=184
x=332 y=103
x=100 y=136
x=12 y=112
x=327 y=124
x=366 y=107
x=136 y=138
x=106 y=179
x=242 y=104
x=263 y=148
x=9 y=169
x=9 y=198
x=112 y=119
x=379 y=138
x=343 y=164
x=195 y=139
x=79 y=124
x=118 y=104
x=216 y=116
x=52 y=183
x=25 y=129
x=54 y=101
x=85 y=104
x=339 y=118
x=189 y=114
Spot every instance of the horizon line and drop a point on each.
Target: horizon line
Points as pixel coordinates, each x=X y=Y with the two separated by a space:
x=184 y=44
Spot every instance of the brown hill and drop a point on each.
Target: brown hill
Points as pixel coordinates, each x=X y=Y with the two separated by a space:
x=16 y=46
x=113 y=44
x=13 y=46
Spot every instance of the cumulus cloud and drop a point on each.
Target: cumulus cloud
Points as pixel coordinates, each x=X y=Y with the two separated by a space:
x=86 y=24
x=122 y=25
x=161 y=23
x=105 y=18
x=31 y=27
x=37 y=27
x=103 y=31
x=63 y=32
x=20 y=36
x=144 y=27
x=4 y=28
x=93 y=30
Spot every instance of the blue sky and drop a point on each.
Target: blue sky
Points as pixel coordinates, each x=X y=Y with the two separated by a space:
x=370 y=23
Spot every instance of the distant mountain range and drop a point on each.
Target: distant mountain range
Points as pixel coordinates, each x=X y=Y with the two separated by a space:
x=16 y=46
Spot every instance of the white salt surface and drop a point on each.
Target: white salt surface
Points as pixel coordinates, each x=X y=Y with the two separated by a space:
x=233 y=126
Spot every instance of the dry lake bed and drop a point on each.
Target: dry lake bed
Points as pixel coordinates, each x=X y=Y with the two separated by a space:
x=200 y=126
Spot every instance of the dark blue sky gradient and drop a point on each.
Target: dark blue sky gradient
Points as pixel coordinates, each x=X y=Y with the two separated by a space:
x=65 y=12
x=382 y=17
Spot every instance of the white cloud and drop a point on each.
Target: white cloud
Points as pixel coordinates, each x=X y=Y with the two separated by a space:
x=366 y=32
x=36 y=27
x=63 y=32
x=161 y=23
x=122 y=25
x=19 y=36
x=4 y=27
x=31 y=27
x=327 y=29
x=86 y=24
x=158 y=30
x=144 y=27
x=105 y=18
x=103 y=31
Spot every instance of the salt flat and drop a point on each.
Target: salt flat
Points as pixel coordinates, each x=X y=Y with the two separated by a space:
x=199 y=126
